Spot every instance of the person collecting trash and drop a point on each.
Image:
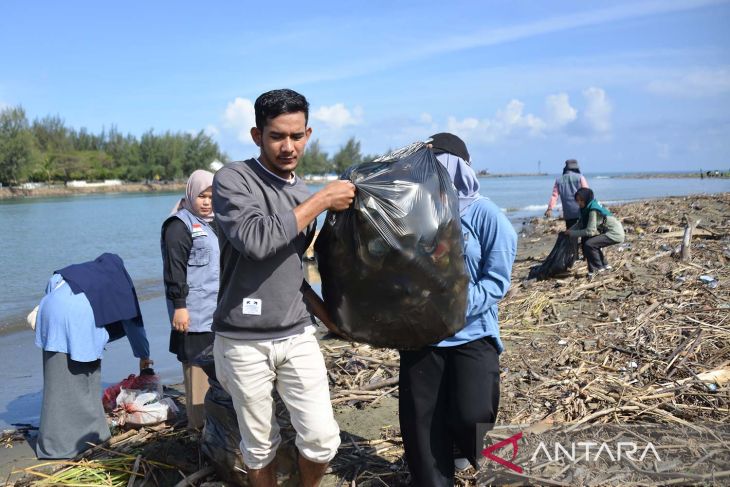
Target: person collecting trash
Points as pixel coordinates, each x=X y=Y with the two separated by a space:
x=85 y=306
x=264 y=333
x=598 y=228
x=449 y=391
x=565 y=186
x=191 y=268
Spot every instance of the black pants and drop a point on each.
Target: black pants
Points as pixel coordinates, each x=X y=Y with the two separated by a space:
x=593 y=253
x=569 y=222
x=448 y=400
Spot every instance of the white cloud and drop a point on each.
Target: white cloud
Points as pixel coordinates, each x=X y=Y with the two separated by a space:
x=507 y=121
x=701 y=82
x=497 y=36
x=558 y=111
x=560 y=117
x=239 y=117
x=597 y=114
x=338 y=116
x=426 y=118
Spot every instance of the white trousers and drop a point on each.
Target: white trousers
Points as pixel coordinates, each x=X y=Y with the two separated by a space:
x=249 y=370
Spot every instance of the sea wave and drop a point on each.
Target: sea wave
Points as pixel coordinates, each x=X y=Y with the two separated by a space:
x=525 y=209
x=534 y=208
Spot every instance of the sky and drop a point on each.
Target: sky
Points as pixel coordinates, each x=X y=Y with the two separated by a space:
x=621 y=86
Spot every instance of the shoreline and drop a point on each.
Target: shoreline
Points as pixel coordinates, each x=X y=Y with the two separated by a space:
x=15 y=192
x=670 y=175
x=60 y=190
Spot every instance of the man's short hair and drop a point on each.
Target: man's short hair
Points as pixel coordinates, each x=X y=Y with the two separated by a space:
x=276 y=102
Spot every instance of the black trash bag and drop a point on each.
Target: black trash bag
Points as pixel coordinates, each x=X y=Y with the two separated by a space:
x=559 y=260
x=221 y=438
x=392 y=265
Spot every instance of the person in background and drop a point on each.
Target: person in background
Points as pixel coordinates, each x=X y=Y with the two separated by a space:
x=565 y=187
x=263 y=323
x=85 y=306
x=449 y=392
x=190 y=257
x=598 y=229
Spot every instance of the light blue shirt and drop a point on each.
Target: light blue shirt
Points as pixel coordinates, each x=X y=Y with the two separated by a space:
x=490 y=246
x=65 y=323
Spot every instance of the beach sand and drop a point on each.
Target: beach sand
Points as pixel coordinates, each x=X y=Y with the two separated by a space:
x=570 y=343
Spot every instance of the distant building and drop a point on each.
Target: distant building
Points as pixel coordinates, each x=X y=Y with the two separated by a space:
x=32 y=185
x=84 y=184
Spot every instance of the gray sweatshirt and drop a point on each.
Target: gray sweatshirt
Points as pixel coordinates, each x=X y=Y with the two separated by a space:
x=261 y=277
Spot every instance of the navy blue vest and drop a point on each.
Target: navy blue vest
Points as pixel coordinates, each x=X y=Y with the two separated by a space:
x=568 y=184
x=203 y=273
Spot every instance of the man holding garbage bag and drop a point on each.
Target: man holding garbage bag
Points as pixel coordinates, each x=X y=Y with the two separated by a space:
x=449 y=392
x=263 y=325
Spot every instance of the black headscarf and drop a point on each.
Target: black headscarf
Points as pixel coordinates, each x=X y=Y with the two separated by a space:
x=586 y=194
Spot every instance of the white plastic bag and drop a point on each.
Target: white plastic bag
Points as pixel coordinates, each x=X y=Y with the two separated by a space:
x=143 y=408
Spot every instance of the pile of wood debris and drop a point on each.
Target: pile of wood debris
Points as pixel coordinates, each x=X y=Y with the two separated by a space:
x=647 y=342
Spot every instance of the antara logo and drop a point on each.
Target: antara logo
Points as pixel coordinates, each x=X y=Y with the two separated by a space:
x=512 y=440
x=586 y=451
x=593 y=451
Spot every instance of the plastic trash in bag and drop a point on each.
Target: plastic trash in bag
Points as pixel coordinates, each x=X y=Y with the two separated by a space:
x=147 y=380
x=559 y=260
x=392 y=264
x=221 y=437
x=144 y=408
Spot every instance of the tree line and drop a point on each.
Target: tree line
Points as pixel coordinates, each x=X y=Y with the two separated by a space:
x=316 y=161
x=47 y=150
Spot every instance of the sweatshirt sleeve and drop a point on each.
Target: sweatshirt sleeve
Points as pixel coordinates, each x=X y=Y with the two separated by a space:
x=590 y=230
x=242 y=221
x=137 y=338
x=583 y=182
x=499 y=247
x=177 y=242
x=554 y=196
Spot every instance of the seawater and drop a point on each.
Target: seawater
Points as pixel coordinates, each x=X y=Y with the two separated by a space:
x=41 y=235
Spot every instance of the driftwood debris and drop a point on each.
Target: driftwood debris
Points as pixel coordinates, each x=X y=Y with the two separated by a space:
x=686 y=250
x=648 y=342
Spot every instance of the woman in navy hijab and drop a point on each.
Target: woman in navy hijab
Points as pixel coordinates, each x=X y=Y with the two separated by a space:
x=86 y=306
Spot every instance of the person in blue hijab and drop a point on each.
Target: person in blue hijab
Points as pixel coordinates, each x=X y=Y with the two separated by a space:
x=85 y=306
x=449 y=391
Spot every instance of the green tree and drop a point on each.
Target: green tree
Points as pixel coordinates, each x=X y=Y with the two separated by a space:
x=348 y=155
x=48 y=150
x=51 y=134
x=46 y=169
x=314 y=160
x=17 y=146
x=199 y=152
